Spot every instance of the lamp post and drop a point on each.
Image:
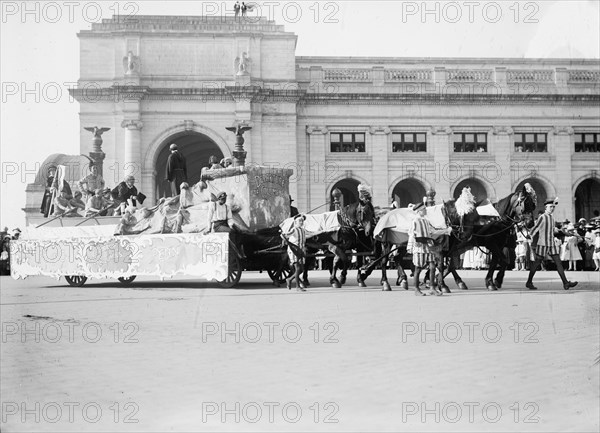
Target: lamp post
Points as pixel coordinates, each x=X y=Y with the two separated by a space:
x=239 y=154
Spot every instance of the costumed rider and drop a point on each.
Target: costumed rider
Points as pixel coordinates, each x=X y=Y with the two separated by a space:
x=543 y=244
x=296 y=242
x=423 y=251
x=126 y=195
x=220 y=219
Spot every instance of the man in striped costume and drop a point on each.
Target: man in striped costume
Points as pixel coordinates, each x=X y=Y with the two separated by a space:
x=296 y=240
x=423 y=256
x=544 y=229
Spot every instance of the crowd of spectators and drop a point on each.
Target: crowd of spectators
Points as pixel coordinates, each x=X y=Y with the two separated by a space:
x=6 y=237
x=579 y=245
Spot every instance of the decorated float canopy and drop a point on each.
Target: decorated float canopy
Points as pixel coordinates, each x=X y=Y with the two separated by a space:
x=260 y=193
x=76 y=167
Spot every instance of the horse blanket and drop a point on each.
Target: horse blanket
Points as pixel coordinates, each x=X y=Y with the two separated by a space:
x=395 y=225
x=488 y=210
x=315 y=224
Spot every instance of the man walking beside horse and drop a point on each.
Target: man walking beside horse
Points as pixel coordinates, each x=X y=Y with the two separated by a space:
x=425 y=252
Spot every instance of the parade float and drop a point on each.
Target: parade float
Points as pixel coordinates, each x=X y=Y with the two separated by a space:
x=171 y=238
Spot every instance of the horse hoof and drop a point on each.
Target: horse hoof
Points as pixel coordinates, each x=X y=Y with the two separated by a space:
x=336 y=285
x=361 y=284
x=491 y=287
x=404 y=284
x=446 y=289
x=462 y=286
x=306 y=283
x=343 y=280
x=386 y=287
x=497 y=284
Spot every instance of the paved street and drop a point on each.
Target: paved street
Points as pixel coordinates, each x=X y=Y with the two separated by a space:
x=183 y=356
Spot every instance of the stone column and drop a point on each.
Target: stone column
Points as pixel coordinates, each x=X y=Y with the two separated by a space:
x=564 y=189
x=132 y=163
x=379 y=181
x=314 y=178
x=500 y=174
x=440 y=176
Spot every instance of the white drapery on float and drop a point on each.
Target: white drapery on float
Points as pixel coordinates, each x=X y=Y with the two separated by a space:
x=164 y=256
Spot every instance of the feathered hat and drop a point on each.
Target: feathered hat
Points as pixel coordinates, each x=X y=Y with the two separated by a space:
x=365 y=191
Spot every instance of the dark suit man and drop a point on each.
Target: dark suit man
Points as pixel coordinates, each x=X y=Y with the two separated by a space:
x=176 y=170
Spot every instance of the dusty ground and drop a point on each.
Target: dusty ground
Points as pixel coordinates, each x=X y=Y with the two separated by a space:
x=182 y=356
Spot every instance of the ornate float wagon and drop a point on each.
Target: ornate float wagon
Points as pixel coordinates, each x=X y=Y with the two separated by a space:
x=170 y=239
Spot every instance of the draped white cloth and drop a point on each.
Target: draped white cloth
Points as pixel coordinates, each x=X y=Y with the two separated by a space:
x=315 y=224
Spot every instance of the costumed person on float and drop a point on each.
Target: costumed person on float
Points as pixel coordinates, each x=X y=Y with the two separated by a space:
x=176 y=170
x=543 y=244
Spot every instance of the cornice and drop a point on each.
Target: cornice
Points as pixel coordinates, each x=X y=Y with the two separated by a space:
x=258 y=94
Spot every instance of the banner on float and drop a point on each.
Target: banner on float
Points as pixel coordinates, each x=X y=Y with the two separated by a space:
x=160 y=255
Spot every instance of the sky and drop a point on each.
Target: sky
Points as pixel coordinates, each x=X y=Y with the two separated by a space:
x=39 y=52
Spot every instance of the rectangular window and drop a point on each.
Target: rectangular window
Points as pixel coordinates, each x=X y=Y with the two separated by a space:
x=409 y=142
x=588 y=142
x=468 y=142
x=531 y=142
x=347 y=142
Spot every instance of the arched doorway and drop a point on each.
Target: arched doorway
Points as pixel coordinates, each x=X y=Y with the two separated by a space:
x=349 y=189
x=477 y=189
x=587 y=199
x=408 y=191
x=195 y=147
x=540 y=192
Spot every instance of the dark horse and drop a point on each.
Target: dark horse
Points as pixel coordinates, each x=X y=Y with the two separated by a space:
x=357 y=222
x=387 y=242
x=494 y=235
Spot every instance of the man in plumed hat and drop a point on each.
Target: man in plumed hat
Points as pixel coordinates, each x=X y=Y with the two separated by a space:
x=176 y=170
x=543 y=230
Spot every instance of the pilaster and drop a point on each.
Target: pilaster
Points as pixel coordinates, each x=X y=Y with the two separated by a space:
x=501 y=143
x=133 y=154
x=439 y=146
x=315 y=179
x=380 y=151
x=562 y=138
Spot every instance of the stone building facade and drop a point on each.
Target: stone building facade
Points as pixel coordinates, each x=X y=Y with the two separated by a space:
x=402 y=125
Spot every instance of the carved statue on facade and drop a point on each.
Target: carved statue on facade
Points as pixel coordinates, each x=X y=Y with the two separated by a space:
x=131 y=63
x=242 y=64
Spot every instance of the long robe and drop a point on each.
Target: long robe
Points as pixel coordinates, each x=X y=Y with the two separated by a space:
x=176 y=171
